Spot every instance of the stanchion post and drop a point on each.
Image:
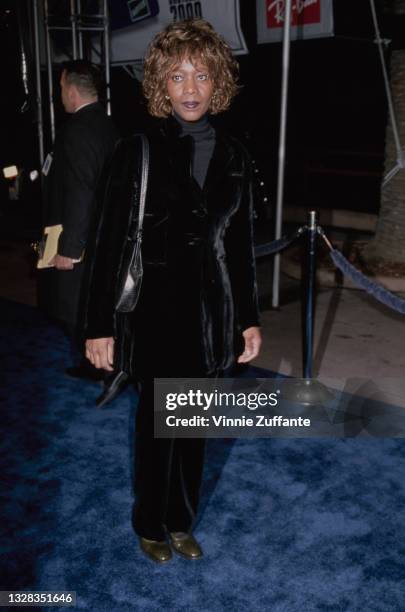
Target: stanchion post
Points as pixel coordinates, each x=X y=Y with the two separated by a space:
x=309 y=287
x=308 y=391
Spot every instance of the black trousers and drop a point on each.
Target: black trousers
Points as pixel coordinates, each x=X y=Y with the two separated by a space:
x=168 y=474
x=166 y=327
x=59 y=294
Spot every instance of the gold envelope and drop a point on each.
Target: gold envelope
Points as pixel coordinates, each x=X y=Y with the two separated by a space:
x=48 y=247
x=50 y=241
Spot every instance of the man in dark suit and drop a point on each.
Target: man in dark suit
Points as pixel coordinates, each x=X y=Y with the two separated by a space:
x=73 y=175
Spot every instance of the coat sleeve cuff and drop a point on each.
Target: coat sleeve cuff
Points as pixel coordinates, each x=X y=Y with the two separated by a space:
x=70 y=246
x=254 y=322
x=90 y=333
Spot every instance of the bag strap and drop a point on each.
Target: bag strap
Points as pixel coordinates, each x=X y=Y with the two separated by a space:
x=144 y=183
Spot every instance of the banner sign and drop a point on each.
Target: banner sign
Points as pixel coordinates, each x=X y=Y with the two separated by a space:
x=133 y=24
x=130 y=44
x=309 y=19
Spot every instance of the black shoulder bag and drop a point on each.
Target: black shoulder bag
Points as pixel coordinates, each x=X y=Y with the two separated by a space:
x=132 y=271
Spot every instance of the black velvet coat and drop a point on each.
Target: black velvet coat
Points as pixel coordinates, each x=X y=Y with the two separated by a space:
x=199 y=287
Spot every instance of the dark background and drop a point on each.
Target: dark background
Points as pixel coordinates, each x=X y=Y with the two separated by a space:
x=336 y=116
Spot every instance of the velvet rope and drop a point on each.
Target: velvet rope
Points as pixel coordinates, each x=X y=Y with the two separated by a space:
x=277 y=245
x=377 y=291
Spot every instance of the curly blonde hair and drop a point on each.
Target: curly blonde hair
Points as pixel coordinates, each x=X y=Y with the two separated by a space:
x=194 y=40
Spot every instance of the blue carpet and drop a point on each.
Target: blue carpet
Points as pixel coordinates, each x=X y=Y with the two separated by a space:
x=286 y=525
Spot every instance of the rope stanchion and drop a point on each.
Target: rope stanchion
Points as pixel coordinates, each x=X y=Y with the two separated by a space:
x=308 y=390
x=277 y=245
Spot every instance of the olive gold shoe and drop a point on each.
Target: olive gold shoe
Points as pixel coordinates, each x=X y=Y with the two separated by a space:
x=185 y=545
x=158 y=551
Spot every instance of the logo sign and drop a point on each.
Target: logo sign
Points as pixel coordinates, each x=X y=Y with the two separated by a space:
x=303 y=12
x=126 y=13
x=138 y=9
x=309 y=19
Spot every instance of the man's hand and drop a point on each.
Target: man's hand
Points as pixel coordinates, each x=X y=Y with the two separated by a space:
x=253 y=340
x=100 y=351
x=62 y=263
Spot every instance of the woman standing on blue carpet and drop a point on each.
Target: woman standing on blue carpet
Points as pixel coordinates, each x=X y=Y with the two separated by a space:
x=197 y=310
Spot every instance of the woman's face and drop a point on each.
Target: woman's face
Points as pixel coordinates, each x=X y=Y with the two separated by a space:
x=190 y=90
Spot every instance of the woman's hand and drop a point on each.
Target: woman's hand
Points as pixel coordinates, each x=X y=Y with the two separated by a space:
x=100 y=351
x=253 y=340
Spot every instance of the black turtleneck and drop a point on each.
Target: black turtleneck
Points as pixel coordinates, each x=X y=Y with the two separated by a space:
x=203 y=135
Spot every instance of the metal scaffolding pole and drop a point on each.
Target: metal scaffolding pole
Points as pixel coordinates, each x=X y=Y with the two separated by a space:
x=49 y=70
x=40 y=120
x=281 y=149
x=73 y=21
x=79 y=10
x=107 y=56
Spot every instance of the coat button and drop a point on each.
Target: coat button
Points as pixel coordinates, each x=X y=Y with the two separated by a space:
x=199 y=212
x=194 y=241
